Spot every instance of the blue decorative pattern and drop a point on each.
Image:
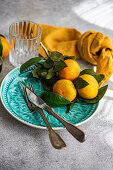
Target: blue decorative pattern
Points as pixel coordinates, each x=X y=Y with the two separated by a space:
x=14 y=102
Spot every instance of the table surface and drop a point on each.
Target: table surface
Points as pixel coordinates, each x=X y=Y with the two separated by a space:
x=26 y=148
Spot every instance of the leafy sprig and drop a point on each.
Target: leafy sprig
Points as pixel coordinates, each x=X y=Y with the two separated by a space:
x=47 y=69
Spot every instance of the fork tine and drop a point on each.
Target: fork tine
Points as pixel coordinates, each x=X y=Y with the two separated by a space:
x=31 y=87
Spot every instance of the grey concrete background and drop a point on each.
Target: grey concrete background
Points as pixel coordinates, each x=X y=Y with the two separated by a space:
x=26 y=148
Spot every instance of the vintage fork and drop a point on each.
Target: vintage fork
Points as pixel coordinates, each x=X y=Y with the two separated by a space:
x=72 y=129
x=56 y=141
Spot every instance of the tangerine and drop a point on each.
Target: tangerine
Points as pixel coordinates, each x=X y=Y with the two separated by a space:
x=71 y=71
x=65 y=88
x=91 y=90
x=5 y=45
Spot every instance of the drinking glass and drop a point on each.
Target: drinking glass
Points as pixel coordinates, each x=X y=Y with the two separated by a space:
x=24 y=39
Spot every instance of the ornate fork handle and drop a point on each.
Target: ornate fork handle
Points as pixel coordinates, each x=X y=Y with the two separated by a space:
x=56 y=141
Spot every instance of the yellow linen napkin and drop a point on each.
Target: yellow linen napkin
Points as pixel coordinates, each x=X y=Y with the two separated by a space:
x=96 y=48
x=60 y=39
x=92 y=46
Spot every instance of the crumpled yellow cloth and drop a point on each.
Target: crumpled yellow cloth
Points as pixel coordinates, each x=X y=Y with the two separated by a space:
x=93 y=47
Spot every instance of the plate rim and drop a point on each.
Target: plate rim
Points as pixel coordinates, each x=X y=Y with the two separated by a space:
x=36 y=126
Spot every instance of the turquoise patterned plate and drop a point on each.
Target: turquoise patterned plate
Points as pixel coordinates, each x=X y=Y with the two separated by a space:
x=14 y=102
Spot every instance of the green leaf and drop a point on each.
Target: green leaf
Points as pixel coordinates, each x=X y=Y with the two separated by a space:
x=101 y=93
x=50 y=74
x=35 y=73
x=80 y=83
x=1 y=48
x=54 y=100
x=39 y=72
x=56 y=56
x=1 y=59
x=99 y=77
x=0 y=67
x=43 y=73
x=87 y=71
x=48 y=63
x=27 y=64
x=47 y=86
x=69 y=57
x=39 y=66
x=52 y=81
x=60 y=65
x=48 y=83
x=1 y=62
x=2 y=35
x=70 y=106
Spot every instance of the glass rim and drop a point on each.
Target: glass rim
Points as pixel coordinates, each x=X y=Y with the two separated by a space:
x=10 y=32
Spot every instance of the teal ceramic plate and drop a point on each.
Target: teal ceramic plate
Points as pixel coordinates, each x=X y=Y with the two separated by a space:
x=15 y=104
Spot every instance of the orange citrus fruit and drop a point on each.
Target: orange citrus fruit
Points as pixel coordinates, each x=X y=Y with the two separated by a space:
x=71 y=71
x=91 y=90
x=5 y=45
x=65 y=88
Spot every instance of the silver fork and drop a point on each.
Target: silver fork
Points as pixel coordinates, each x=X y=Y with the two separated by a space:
x=56 y=141
x=72 y=129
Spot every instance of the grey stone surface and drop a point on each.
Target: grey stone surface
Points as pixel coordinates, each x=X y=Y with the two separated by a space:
x=26 y=148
